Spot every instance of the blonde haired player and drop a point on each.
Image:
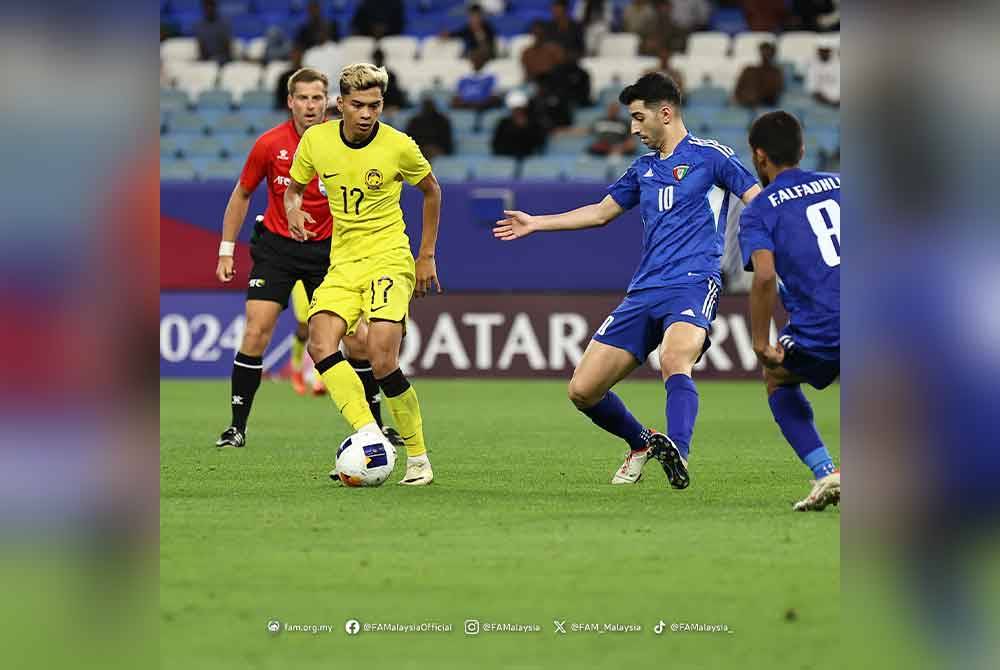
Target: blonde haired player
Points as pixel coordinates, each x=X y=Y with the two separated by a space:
x=362 y=164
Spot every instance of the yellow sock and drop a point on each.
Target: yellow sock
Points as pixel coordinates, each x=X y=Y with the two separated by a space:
x=298 y=347
x=348 y=393
x=405 y=410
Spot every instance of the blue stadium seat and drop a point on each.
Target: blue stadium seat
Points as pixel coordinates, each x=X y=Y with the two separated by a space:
x=510 y=24
x=232 y=124
x=247 y=25
x=186 y=122
x=237 y=147
x=204 y=147
x=173 y=100
x=462 y=120
x=728 y=20
x=497 y=167
x=735 y=139
x=590 y=170
x=543 y=168
x=820 y=115
x=263 y=6
x=176 y=170
x=452 y=169
x=257 y=101
x=265 y=121
x=585 y=116
x=221 y=169
x=729 y=118
x=568 y=145
x=229 y=9
x=824 y=139
x=491 y=118
x=215 y=99
x=169 y=147
x=709 y=96
x=178 y=6
x=475 y=145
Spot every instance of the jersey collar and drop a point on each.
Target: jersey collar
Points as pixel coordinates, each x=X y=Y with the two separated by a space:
x=684 y=139
x=357 y=145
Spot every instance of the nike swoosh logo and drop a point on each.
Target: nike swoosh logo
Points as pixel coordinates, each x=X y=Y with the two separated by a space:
x=375 y=309
x=332 y=174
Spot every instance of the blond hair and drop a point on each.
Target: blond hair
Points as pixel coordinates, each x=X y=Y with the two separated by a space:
x=362 y=76
x=306 y=75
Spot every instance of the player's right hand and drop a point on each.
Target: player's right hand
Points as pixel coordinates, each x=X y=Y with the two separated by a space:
x=516 y=225
x=297 y=225
x=225 y=270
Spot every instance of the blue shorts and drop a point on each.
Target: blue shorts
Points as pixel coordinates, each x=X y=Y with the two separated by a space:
x=819 y=371
x=637 y=325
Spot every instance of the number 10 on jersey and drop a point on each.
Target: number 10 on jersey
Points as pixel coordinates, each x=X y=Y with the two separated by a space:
x=665 y=198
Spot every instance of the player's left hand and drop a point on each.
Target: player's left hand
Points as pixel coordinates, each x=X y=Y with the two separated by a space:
x=427 y=277
x=771 y=356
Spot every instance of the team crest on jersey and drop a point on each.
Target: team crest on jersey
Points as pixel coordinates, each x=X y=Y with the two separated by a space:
x=374 y=179
x=680 y=171
x=283 y=155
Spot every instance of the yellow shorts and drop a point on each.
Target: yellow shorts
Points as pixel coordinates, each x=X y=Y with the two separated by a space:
x=376 y=287
x=300 y=302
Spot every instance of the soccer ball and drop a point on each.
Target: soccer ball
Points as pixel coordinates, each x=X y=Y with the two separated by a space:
x=365 y=459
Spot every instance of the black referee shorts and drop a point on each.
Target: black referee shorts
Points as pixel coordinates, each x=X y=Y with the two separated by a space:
x=279 y=262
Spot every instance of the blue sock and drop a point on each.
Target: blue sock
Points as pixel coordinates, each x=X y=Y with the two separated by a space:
x=794 y=415
x=612 y=415
x=682 y=410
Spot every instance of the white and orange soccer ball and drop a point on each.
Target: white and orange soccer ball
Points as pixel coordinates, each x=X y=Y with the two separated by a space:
x=364 y=459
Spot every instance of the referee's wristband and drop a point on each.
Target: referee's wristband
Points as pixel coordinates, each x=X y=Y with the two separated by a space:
x=227 y=248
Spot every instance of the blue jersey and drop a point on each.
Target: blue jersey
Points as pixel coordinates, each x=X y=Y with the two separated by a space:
x=797 y=217
x=683 y=200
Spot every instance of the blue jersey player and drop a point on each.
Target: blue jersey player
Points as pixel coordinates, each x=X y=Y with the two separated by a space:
x=672 y=298
x=790 y=238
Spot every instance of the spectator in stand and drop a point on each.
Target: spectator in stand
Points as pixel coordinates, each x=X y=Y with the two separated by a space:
x=378 y=18
x=317 y=29
x=549 y=108
x=395 y=97
x=570 y=81
x=637 y=15
x=214 y=35
x=765 y=15
x=477 y=35
x=277 y=46
x=519 y=134
x=662 y=32
x=431 y=130
x=542 y=56
x=664 y=67
x=281 y=89
x=611 y=134
x=596 y=17
x=815 y=15
x=760 y=84
x=563 y=30
x=690 y=15
x=823 y=75
x=477 y=90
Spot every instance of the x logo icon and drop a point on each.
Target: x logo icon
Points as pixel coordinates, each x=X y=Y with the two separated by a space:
x=559 y=626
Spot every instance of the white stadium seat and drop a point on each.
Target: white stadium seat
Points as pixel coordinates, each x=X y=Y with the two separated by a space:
x=239 y=77
x=508 y=71
x=797 y=47
x=193 y=78
x=399 y=49
x=437 y=48
x=253 y=49
x=517 y=44
x=446 y=71
x=707 y=43
x=179 y=49
x=619 y=45
x=273 y=70
x=328 y=58
x=747 y=45
x=357 y=49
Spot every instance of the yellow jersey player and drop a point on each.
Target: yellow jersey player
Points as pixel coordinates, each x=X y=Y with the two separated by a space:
x=362 y=164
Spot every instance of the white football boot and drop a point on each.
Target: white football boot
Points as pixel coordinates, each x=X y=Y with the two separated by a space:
x=418 y=471
x=631 y=470
x=825 y=491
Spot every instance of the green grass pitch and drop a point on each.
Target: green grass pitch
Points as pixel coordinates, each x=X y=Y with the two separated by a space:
x=520 y=526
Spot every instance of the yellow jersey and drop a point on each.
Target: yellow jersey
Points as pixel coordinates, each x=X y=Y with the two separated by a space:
x=363 y=183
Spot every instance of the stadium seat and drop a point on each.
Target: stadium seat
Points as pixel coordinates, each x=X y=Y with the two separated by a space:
x=253 y=48
x=568 y=145
x=746 y=46
x=818 y=116
x=173 y=100
x=438 y=48
x=272 y=71
x=238 y=77
x=214 y=99
x=826 y=140
x=220 y=169
x=232 y=124
x=618 y=45
x=274 y=6
x=707 y=43
x=797 y=47
x=193 y=78
x=260 y=123
x=357 y=48
x=583 y=117
x=187 y=123
x=450 y=169
x=257 y=100
x=509 y=72
x=445 y=72
x=237 y=147
x=169 y=147
x=510 y=24
x=203 y=147
x=543 y=168
x=463 y=121
x=728 y=20
x=708 y=96
x=179 y=49
x=247 y=25
x=228 y=9
x=732 y=138
x=497 y=167
x=589 y=170
x=517 y=44
x=475 y=145
x=176 y=170
x=400 y=50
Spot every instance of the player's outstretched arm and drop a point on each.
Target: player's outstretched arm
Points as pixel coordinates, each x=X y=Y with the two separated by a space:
x=763 y=296
x=519 y=224
x=427 y=277
x=232 y=221
x=293 y=212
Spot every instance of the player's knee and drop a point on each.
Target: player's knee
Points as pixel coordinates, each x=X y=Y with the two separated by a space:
x=580 y=394
x=256 y=338
x=383 y=363
x=356 y=348
x=676 y=363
